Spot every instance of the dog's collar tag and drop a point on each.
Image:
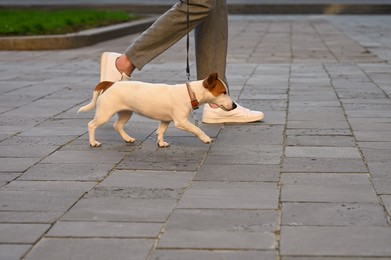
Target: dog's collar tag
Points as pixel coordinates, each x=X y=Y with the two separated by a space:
x=193 y=100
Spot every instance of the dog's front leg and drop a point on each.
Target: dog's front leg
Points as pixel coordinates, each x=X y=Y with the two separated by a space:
x=189 y=127
x=160 y=134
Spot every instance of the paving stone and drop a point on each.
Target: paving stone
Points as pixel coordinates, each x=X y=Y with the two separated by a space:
x=148 y=179
x=67 y=172
x=12 y=251
x=382 y=185
x=319 y=132
x=84 y=157
x=376 y=154
x=212 y=255
x=104 y=229
x=379 y=169
x=37 y=151
x=50 y=186
x=29 y=216
x=335 y=241
x=220 y=229
x=330 y=258
x=333 y=214
x=238 y=172
x=37 y=140
x=252 y=134
x=323 y=165
x=322 y=152
x=6 y=177
x=321 y=124
x=17 y=164
x=332 y=141
x=327 y=188
x=50 y=201
x=373 y=136
x=243 y=159
x=108 y=208
x=94 y=248
x=21 y=233
x=230 y=195
x=387 y=203
x=160 y=164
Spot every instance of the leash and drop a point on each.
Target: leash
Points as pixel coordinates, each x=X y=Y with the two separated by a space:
x=193 y=99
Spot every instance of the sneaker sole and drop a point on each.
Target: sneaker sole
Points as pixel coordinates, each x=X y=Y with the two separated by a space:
x=232 y=120
x=103 y=64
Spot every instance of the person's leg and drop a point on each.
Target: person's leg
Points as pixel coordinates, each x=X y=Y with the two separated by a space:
x=211 y=42
x=166 y=31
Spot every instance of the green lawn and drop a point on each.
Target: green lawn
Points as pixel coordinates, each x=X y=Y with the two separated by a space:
x=41 y=22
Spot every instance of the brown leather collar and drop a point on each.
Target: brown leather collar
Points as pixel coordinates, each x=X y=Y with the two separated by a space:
x=193 y=99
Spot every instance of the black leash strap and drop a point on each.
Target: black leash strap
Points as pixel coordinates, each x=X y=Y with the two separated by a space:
x=193 y=99
x=187 y=43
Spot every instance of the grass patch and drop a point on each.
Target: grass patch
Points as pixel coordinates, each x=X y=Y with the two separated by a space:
x=17 y=22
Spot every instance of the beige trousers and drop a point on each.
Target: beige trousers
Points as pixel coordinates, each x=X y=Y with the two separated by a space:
x=207 y=17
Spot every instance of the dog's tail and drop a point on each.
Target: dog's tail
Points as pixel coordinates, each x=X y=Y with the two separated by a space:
x=99 y=89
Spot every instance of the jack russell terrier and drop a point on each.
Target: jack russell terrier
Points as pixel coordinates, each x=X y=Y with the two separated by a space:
x=156 y=101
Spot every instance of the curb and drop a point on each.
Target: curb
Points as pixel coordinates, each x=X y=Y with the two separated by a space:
x=288 y=8
x=74 y=40
x=303 y=9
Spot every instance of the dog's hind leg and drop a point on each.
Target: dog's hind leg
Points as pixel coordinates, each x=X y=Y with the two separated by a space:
x=160 y=134
x=92 y=126
x=123 y=117
x=100 y=118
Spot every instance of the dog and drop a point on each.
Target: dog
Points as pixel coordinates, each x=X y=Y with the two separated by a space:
x=161 y=102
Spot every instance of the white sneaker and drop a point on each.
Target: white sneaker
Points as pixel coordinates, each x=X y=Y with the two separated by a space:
x=108 y=69
x=237 y=115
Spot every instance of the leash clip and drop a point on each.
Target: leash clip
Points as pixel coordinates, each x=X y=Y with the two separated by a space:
x=194 y=102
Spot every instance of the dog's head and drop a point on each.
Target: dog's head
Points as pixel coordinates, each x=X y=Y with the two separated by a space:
x=218 y=92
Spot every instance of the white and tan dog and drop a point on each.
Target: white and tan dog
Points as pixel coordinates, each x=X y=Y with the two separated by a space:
x=156 y=101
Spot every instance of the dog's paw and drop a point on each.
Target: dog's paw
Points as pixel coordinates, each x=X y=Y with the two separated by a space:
x=130 y=140
x=206 y=140
x=95 y=144
x=163 y=144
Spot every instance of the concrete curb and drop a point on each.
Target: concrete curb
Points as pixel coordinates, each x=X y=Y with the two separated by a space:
x=74 y=40
x=293 y=9
x=236 y=8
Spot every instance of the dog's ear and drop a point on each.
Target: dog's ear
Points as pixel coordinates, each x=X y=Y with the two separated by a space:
x=210 y=81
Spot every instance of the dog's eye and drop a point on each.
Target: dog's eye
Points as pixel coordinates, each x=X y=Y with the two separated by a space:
x=225 y=93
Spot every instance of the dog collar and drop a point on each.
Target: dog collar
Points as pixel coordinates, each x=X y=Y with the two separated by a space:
x=193 y=100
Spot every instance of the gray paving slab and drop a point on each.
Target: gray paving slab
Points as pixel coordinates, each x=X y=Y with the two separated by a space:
x=104 y=230
x=12 y=251
x=309 y=182
x=220 y=229
x=22 y=233
x=165 y=254
x=335 y=241
x=238 y=172
x=96 y=248
x=325 y=165
x=230 y=195
x=109 y=208
x=333 y=214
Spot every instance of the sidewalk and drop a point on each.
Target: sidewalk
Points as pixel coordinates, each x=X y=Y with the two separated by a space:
x=310 y=182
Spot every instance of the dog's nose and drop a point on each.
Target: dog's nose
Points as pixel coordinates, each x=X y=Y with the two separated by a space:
x=234 y=105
